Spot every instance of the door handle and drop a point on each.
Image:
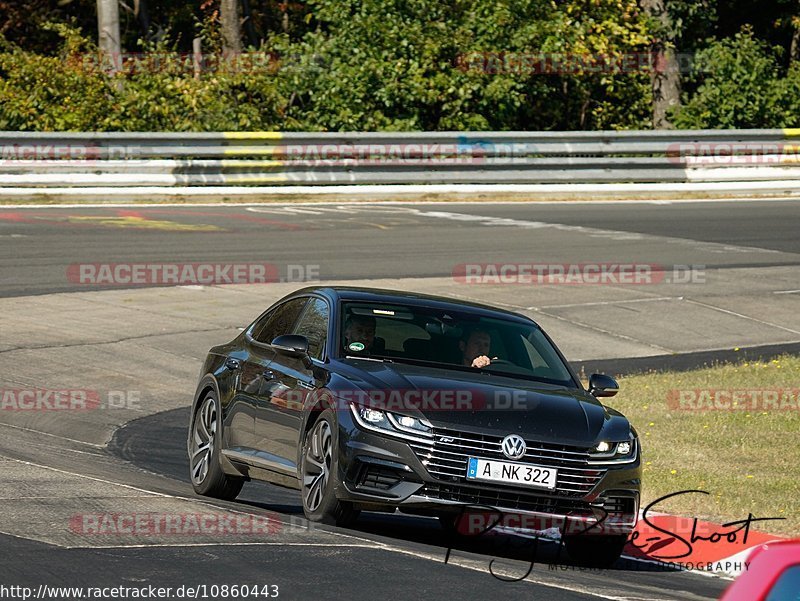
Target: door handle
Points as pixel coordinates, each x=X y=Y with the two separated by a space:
x=232 y=364
x=268 y=374
x=306 y=385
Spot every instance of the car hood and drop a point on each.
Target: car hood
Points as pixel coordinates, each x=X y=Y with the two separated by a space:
x=482 y=403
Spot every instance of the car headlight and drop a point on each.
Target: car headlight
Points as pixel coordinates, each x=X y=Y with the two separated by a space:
x=374 y=417
x=407 y=423
x=614 y=450
x=388 y=422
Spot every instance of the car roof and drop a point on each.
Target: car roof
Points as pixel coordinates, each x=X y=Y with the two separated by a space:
x=383 y=295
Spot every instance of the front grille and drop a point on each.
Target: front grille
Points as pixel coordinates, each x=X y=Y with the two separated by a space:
x=446 y=457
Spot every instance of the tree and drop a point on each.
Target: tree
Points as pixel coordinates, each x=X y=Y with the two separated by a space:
x=665 y=77
x=108 y=38
x=739 y=85
x=467 y=64
x=231 y=27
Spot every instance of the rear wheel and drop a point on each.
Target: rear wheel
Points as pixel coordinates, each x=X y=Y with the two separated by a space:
x=320 y=471
x=597 y=551
x=208 y=479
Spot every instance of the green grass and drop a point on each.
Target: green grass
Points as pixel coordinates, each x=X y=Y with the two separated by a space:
x=749 y=460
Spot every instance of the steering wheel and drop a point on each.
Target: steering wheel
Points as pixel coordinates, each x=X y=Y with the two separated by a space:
x=501 y=362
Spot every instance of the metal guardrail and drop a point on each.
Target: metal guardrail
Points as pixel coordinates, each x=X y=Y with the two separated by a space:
x=29 y=159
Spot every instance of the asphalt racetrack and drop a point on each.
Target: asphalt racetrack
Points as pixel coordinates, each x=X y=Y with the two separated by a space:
x=139 y=349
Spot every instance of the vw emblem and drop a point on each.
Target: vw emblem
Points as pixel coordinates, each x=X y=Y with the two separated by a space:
x=513 y=446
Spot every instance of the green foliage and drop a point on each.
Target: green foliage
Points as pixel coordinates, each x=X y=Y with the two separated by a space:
x=397 y=65
x=367 y=65
x=739 y=84
x=39 y=92
x=156 y=91
x=383 y=65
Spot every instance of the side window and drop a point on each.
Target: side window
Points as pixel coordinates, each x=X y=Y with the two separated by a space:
x=787 y=588
x=535 y=358
x=280 y=321
x=314 y=326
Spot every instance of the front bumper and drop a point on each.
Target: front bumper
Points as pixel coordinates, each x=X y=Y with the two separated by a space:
x=383 y=473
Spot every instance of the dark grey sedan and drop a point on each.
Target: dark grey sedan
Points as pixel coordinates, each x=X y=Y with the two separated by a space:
x=376 y=400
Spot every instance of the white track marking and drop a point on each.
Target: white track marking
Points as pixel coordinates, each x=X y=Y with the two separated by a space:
x=93 y=478
x=364 y=543
x=529 y=578
x=575 y=322
x=492 y=221
x=589 y=231
x=165 y=185
x=206 y=502
x=735 y=314
x=88 y=444
x=606 y=303
x=363 y=203
x=235 y=544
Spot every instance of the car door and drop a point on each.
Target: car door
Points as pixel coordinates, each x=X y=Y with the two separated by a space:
x=279 y=417
x=255 y=380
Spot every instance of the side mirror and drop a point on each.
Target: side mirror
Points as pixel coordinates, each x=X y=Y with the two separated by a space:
x=602 y=385
x=293 y=345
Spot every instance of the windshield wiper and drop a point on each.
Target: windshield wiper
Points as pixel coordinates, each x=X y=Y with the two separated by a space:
x=376 y=359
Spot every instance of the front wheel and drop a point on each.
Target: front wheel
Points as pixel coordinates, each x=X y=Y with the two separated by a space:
x=206 y=473
x=320 y=475
x=595 y=550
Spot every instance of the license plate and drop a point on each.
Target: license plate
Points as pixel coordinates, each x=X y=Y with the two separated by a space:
x=521 y=474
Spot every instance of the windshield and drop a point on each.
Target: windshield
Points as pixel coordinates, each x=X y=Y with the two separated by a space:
x=450 y=339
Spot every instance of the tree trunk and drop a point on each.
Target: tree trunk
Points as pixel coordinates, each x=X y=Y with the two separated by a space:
x=143 y=16
x=249 y=28
x=794 y=49
x=665 y=75
x=231 y=28
x=108 y=38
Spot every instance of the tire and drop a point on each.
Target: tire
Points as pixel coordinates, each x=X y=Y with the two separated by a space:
x=205 y=470
x=320 y=473
x=596 y=551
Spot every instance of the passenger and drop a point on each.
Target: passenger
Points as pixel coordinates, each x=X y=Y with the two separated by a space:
x=359 y=329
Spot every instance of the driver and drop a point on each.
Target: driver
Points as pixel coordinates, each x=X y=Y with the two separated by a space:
x=475 y=347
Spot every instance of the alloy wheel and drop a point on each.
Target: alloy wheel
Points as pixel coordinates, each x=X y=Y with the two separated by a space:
x=203 y=439
x=317 y=465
